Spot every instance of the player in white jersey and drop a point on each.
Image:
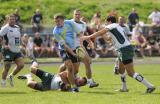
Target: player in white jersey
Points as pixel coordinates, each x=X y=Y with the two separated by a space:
x=10 y=35
x=50 y=81
x=125 y=52
x=121 y=21
x=86 y=60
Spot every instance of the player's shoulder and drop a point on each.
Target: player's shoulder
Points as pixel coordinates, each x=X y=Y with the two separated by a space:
x=111 y=26
x=55 y=29
x=16 y=26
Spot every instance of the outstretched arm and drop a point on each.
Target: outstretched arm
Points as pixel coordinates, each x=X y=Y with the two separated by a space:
x=96 y=34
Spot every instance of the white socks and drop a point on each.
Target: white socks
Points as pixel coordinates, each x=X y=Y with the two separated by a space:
x=89 y=81
x=140 y=78
x=123 y=79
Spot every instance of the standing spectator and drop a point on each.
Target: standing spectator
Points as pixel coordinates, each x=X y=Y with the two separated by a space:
x=96 y=21
x=37 y=21
x=155 y=17
x=133 y=19
x=38 y=45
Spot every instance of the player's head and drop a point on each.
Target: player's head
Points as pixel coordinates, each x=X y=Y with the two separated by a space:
x=121 y=20
x=81 y=81
x=77 y=15
x=111 y=19
x=11 y=19
x=59 y=20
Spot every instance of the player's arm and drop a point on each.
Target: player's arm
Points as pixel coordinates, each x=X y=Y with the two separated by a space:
x=3 y=31
x=61 y=41
x=96 y=34
x=64 y=78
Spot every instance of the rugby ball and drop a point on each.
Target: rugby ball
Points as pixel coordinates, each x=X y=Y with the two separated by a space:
x=80 y=53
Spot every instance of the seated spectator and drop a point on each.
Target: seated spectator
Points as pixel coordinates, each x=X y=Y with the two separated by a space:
x=152 y=43
x=139 y=40
x=37 y=21
x=39 y=47
x=47 y=44
x=29 y=48
x=24 y=42
x=54 y=47
x=101 y=45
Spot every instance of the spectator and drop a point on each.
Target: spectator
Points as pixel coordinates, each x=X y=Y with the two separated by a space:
x=152 y=43
x=47 y=43
x=29 y=48
x=96 y=21
x=54 y=47
x=155 y=17
x=37 y=21
x=24 y=41
x=38 y=45
x=133 y=19
x=139 y=39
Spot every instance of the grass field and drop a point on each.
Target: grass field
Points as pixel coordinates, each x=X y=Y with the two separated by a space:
x=104 y=94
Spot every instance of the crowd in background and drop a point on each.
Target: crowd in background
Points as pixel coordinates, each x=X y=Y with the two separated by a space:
x=38 y=45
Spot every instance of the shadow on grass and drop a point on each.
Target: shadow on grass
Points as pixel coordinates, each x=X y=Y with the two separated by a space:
x=14 y=92
x=98 y=92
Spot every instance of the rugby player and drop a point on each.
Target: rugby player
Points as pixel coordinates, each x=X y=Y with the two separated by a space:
x=10 y=35
x=125 y=51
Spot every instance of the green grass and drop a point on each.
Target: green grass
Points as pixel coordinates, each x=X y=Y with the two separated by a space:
x=89 y=7
x=104 y=94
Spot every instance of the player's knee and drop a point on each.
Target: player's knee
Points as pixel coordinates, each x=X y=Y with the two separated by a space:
x=130 y=74
x=20 y=66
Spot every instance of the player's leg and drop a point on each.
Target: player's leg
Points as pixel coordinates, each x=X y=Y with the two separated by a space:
x=6 y=68
x=130 y=70
x=19 y=65
x=123 y=77
x=116 y=67
x=126 y=55
x=62 y=68
x=87 y=63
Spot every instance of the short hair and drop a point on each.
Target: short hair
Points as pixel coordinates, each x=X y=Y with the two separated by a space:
x=11 y=15
x=59 y=15
x=111 y=19
x=85 y=80
x=77 y=10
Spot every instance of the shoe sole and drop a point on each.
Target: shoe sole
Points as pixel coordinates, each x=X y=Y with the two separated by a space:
x=94 y=86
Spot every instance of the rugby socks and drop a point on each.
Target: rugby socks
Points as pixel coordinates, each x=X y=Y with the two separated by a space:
x=123 y=79
x=141 y=79
x=3 y=83
x=89 y=81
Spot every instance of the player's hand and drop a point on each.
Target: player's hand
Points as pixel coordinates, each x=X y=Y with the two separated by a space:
x=84 y=38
